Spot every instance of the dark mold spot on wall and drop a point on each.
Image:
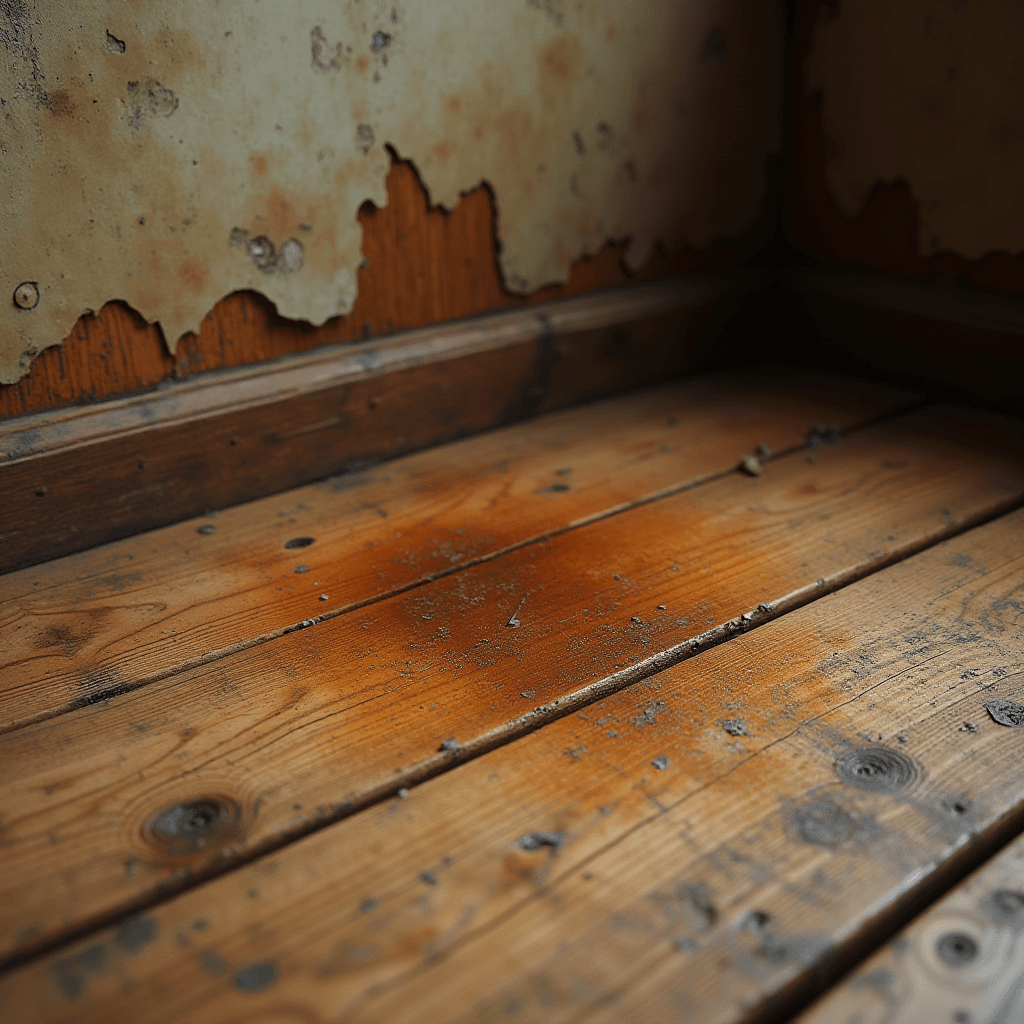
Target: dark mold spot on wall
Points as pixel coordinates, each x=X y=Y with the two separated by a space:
x=325 y=57
x=877 y=770
x=380 y=41
x=364 y=138
x=554 y=9
x=147 y=100
x=60 y=104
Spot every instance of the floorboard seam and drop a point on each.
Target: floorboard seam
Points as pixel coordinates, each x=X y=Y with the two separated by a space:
x=536 y=719
x=226 y=652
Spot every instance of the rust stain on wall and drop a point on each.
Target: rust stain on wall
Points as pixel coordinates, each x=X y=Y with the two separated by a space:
x=930 y=92
x=170 y=154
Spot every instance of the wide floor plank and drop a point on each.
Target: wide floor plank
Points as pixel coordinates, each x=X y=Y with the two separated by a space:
x=962 y=960
x=685 y=849
x=108 y=806
x=77 y=629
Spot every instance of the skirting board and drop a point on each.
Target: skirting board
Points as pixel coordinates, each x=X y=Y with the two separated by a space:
x=74 y=478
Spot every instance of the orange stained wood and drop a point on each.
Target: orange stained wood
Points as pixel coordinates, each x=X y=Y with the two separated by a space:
x=961 y=960
x=80 y=628
x=683 y=849
x=423 y=266
x=107 y=806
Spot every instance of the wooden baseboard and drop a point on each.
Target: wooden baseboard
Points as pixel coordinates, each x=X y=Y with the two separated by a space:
x=960 y=340
x=74 y=478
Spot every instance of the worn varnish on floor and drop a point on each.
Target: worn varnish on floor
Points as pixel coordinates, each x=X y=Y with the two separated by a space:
x=661 y=754
x=961 y=960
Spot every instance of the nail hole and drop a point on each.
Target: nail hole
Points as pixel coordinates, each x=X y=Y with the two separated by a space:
x=956 y=806
x=298 y=542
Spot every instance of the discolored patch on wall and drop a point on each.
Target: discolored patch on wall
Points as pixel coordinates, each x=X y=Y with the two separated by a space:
x=167 y=158
x=930 y=94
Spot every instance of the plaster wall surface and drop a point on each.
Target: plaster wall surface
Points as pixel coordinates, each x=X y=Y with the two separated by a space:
x=931 y=93
x=170 y=154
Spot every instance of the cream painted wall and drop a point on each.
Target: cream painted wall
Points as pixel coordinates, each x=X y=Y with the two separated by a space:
x=930 y=92
x=167 y=154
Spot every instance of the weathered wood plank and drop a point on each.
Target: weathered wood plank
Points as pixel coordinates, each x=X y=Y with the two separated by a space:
x=107 y=620
x=234 y=757
x=244 y=434
x=684 y=849
x=960 y=961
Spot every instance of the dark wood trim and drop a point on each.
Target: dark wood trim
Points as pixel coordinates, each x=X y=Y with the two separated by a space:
x=74 y=478
x=963 y=342
x=964 y=307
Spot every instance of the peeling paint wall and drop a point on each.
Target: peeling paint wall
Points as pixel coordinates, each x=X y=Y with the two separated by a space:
x=169 y=154
x=930 y=92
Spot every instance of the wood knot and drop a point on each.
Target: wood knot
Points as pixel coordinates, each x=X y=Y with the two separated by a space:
x=877 y=770
x=187 y=827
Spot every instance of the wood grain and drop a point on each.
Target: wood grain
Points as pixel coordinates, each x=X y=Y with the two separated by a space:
x=75 y=630
x=268 y=430
x=961 y=960
x=683 y=849
x=283 y=738
x=423 y=266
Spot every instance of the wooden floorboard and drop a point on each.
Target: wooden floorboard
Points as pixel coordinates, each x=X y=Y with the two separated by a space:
x=961 y=961
x=83 y=627
x=110 y=806
x=682 y=850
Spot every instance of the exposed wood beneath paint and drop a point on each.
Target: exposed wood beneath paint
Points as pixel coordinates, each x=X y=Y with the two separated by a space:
x=109 y=619
x=423 y=265
x=328 y=368
x=883 y=237
x=113 y=470
x=281 y=739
